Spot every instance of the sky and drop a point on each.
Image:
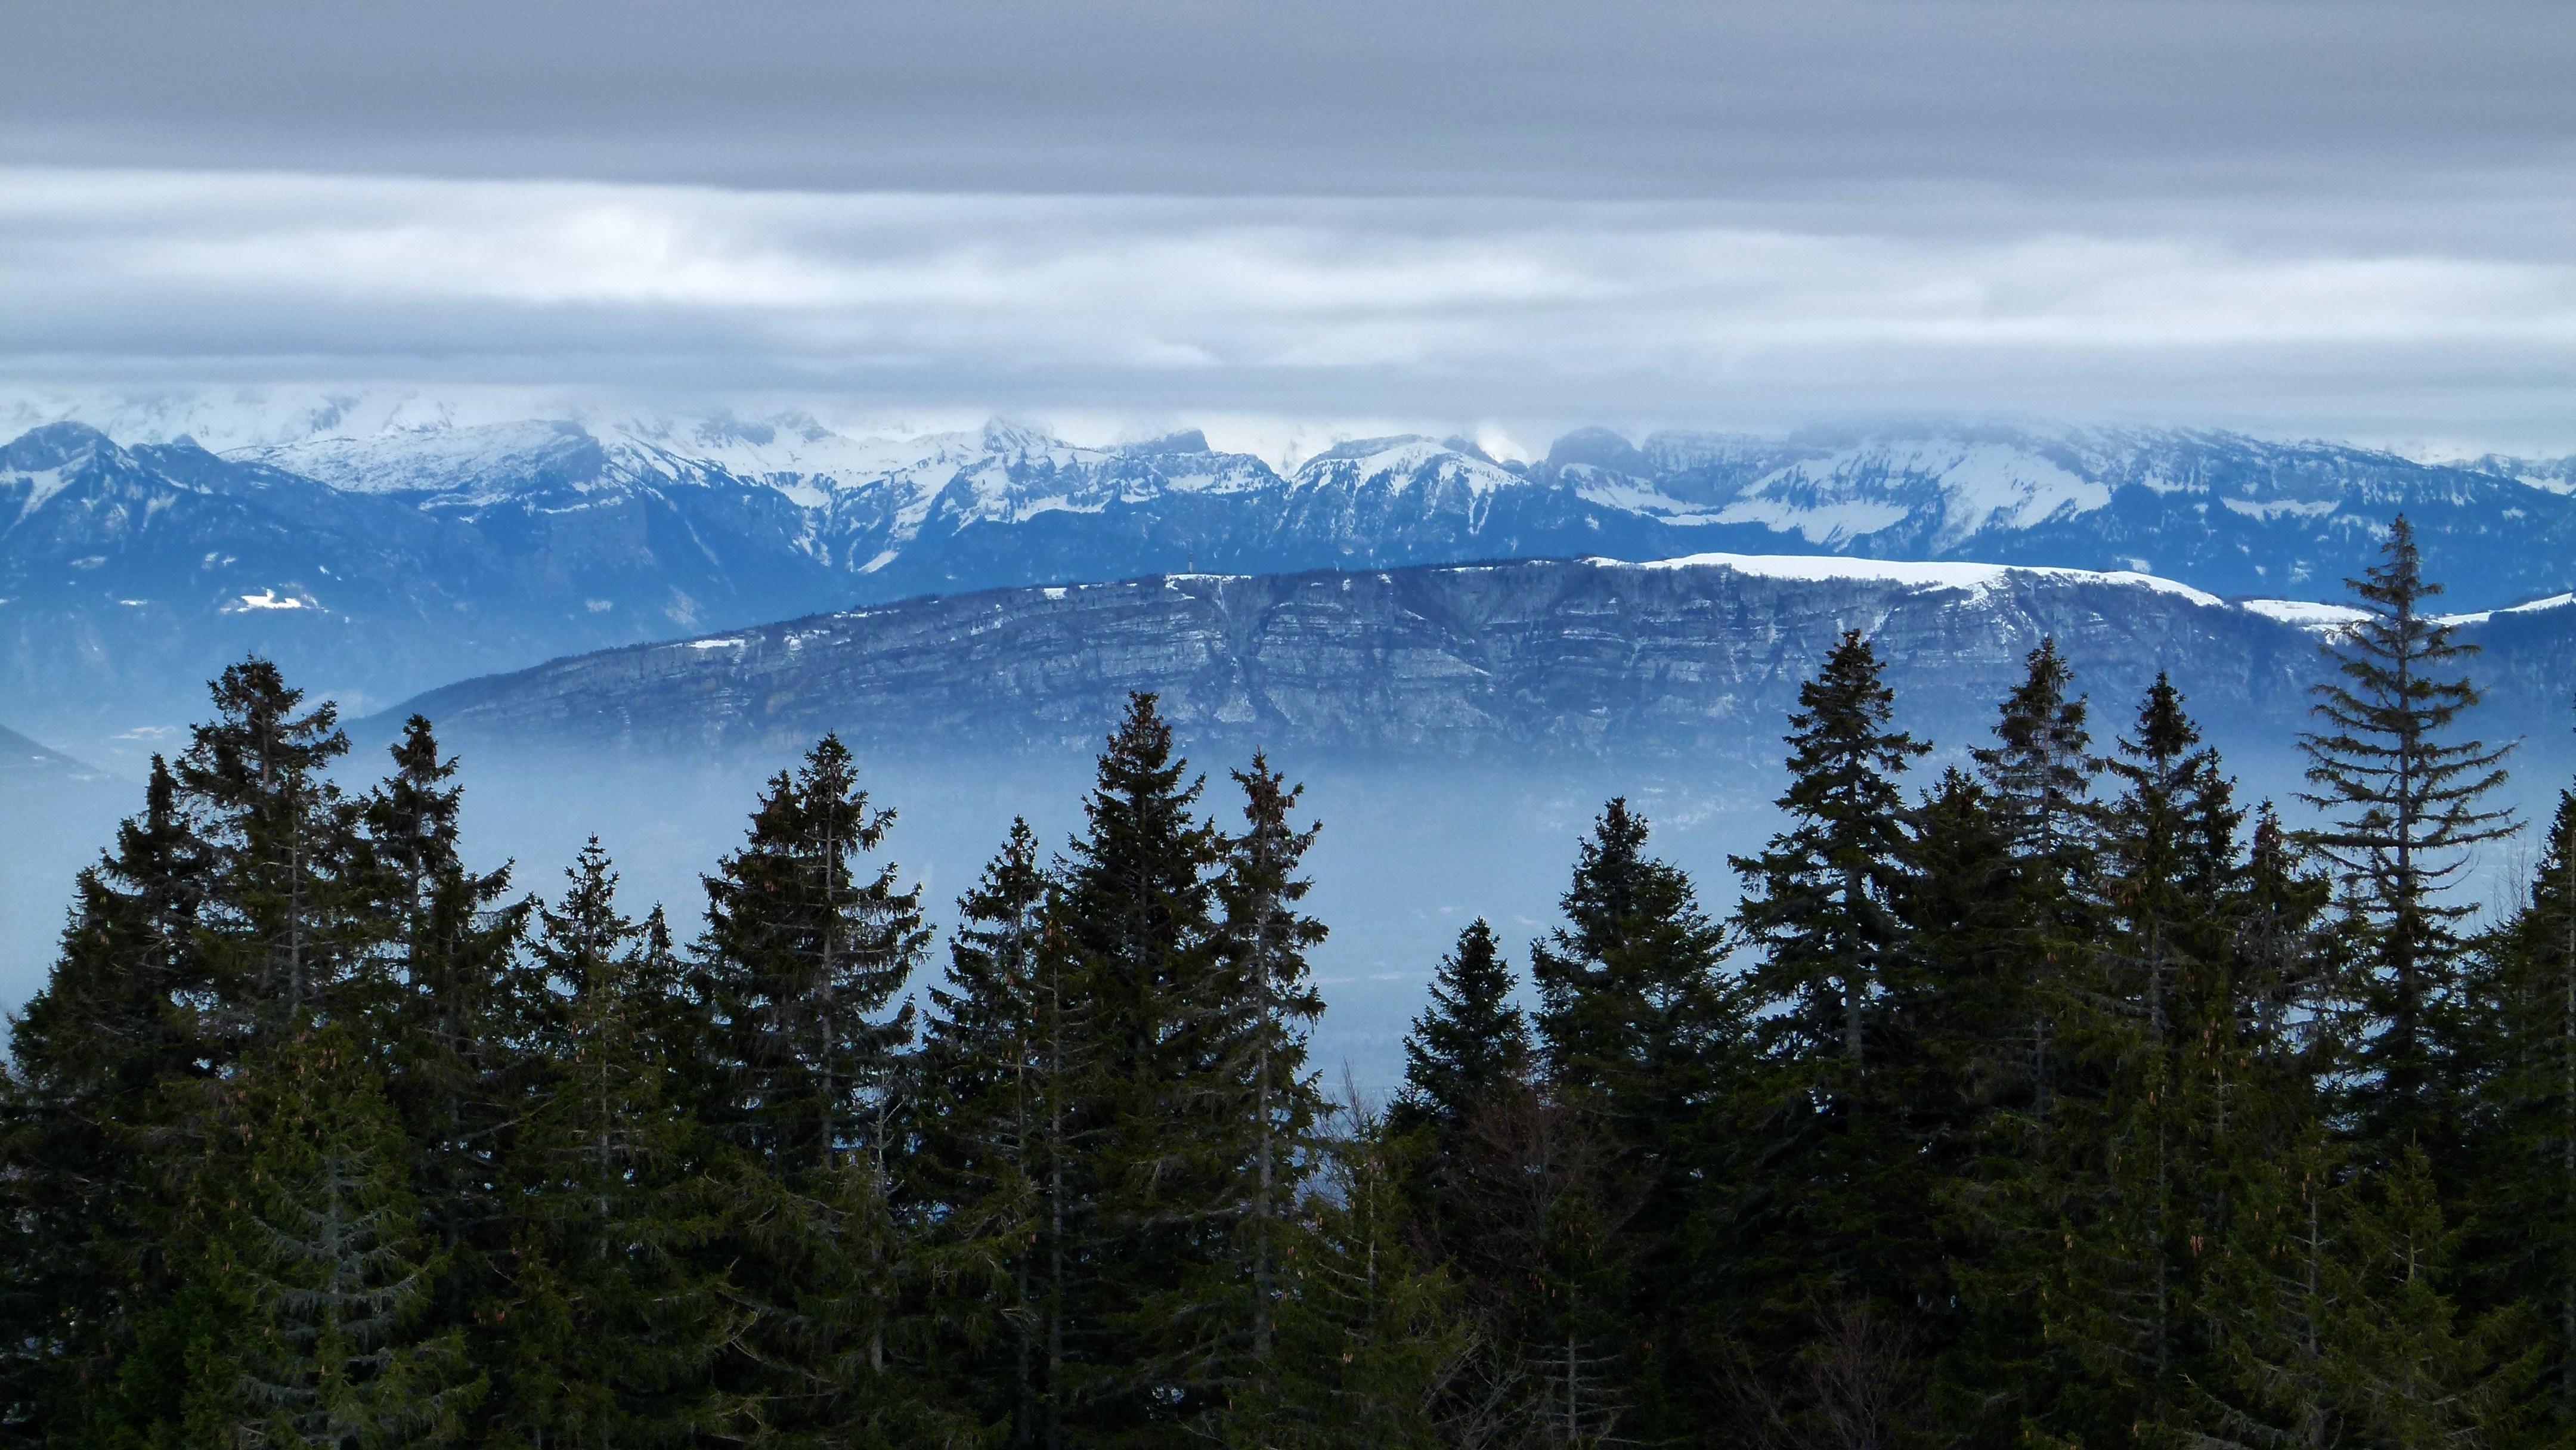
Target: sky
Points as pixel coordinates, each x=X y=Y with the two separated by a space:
x=2332 y=218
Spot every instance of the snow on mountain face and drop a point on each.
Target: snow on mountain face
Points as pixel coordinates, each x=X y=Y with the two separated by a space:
x=435 y=460
x=1958 y=489
x=1402 y=464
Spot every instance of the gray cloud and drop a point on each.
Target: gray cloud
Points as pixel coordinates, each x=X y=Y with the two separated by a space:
x=1459 y=308
x=1609 y=98
x=2347 y=217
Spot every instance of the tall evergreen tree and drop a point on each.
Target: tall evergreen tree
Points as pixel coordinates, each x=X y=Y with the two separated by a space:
x=2156 y=1051
x=1164 y=1146
x=1819 y=901
x=2016 y=978
x=2403 y=799
x=1469 y=1045
x=1835 y=1208
x=287 y=930
x=1002 y=1082
x=1266 y=937
x=1642 y=1034
x=2522 y=995
x=799 y=963
x=614 y=1318
x=802 y=958
x=461 y=1013
x=2039 y=783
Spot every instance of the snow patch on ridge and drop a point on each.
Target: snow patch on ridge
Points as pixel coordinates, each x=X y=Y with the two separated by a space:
x=2554 y=601
x=1973 y=578
x=2303 y=614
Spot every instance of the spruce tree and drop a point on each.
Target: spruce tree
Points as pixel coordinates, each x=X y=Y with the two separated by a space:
x=1136 y=905
x=2039 y=781
x=615 y=1317
x=2157 y=1057
x=997 y=1115
x=2013 y=975
x=802 y=957
x=1835 y=1212
x=459 y=1011
x=1188 y=948
x=2522 y=993
x=1266 y=937
x=1819 y=901
x=287 y=929
x=1469 y=1045
x=799 y=963
x=1643 y=1037
x=2403 y=800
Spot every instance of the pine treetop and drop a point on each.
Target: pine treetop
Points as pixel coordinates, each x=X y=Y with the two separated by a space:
x=2400 y=798
x=1472 y=1041
x=2038 y=772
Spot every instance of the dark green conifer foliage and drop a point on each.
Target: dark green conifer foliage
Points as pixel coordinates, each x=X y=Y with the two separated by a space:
x=2402 y=797
x=614 y=1316
x=799 y=962
x=1633 y=1011
x=2037 y=772
x=1266 y=937
x=997 y=1114
x=1642 y=1036
x=1538 y=1198
x=1165 y=1143
x=2156 y=1053
x=1369 y=1340
x=2170 y=886
x=2340 y=1330
x=1831 y=1220
x=459 y=1009
x=317 y=1259
x=2015 y=971
x=1469 y=1045
x=90 y=1061
x=2523 y=991
x=1819 y=901
x=1958 y=911
x=802 y=958
x=287 y=929
x=2039 y=783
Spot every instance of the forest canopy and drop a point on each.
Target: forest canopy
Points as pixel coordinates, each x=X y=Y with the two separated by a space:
x=2060 y=1099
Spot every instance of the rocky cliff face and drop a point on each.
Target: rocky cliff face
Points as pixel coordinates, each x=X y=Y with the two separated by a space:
x=1695 y=659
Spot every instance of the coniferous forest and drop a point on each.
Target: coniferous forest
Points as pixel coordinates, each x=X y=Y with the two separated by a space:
x=2061 y=1099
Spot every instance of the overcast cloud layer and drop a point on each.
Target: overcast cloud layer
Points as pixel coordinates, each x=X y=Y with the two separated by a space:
x=2349 y=218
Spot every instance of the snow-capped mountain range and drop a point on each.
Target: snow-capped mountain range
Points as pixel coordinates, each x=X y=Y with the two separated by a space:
x=378 y=551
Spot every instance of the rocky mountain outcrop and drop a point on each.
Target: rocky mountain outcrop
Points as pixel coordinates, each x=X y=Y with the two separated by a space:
x=1696 y=658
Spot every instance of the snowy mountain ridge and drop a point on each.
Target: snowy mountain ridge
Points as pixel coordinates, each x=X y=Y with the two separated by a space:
x=393 y=544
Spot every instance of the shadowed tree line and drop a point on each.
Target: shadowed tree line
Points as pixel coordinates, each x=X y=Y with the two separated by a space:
x=2060 y=1100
